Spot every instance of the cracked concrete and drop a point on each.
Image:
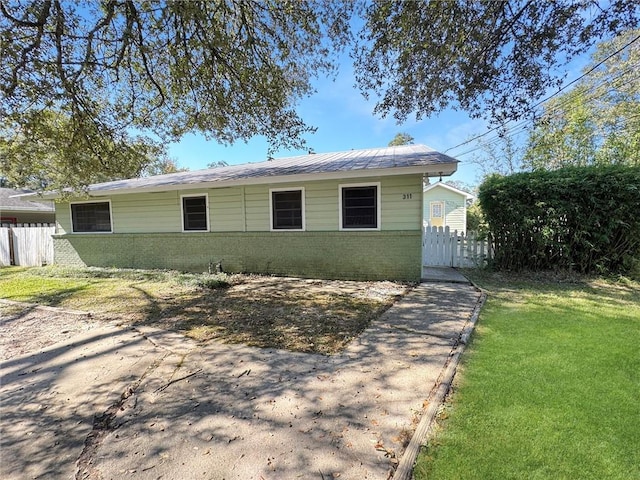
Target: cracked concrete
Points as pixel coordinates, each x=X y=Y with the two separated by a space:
x=49 y=400
x=151 y=404
x=103 y=423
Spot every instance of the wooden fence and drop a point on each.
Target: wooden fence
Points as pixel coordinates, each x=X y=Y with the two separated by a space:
x=443 y=248
x=29 y=245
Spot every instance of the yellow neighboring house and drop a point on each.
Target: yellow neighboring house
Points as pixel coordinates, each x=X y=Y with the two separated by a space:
x=445 y=206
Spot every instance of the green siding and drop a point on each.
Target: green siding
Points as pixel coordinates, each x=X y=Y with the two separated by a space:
x=147 y=233
x=322 y=206
x=152 y=212
x=348 y=255
x=241 y=209
x=257 y=208
x=63 y=217
x=455 y=207
x=226 y=210
x=399 y=212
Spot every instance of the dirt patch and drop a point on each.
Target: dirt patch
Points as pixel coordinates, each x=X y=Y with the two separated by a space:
x=319 y=316
x=304 y=315
x=26 y=329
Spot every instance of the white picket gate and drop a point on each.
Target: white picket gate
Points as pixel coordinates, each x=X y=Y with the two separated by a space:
x=443 y=248
x=29 y=245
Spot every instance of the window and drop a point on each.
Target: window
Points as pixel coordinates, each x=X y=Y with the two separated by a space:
x=359 y=206
x=437 y=214
x=436 y=209
x=91 y=217
x=287 y=209
x=194 y=213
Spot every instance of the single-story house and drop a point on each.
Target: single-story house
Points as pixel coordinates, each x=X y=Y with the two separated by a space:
x=352 y=215
x=445 y=206
x=15 y=209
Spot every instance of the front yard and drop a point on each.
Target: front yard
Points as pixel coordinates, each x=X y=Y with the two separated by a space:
x=319 y=316
x=549 y=387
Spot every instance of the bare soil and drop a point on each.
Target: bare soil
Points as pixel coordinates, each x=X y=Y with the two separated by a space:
x=319 y=316
x=27 y=329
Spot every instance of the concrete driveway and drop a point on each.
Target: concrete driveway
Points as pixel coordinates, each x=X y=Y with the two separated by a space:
x=123 y=403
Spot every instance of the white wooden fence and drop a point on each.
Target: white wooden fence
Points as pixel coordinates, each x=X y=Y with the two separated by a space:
x=443 y=248
x=29 y=245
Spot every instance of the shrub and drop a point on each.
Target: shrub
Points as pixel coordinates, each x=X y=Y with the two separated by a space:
x=213 y=281
x=476 y=221
x=578 y=218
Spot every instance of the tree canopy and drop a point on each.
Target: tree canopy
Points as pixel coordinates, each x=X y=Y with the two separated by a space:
x=489 y=58
x=401 y=138
x=230 y=69
x=126 y=76
x=597 y=122
x=46 y=152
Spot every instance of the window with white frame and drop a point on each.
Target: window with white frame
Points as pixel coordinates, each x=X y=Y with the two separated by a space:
x=360 y=206
x=91 y=217
x=436 y=209
x=287 y=209
x=195 y=216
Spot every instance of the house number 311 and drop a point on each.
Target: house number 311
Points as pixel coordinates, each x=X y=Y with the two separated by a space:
x=407 y=196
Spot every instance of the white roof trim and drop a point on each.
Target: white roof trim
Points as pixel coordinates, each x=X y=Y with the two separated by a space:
x=467 y=195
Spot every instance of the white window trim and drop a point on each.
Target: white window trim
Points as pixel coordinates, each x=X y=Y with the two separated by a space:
x=304 y=217
x=378 y=206
x=435 y=203
x=91 y=201
x=206 y=203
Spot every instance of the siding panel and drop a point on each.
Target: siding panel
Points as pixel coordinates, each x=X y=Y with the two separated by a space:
x=257 y=208
x=239 y=209
x=226 y=210
x=402 y=202
x=146 y=213
x=63 y=217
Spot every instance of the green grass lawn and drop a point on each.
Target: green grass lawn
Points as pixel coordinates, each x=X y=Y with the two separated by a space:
x=549 y=387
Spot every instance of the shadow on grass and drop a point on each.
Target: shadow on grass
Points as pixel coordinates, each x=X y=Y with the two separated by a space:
x=316 y=406
x=58 y=297
x=296 y=314
x=550 y=283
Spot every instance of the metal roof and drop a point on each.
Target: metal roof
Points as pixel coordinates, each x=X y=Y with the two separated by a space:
x=348 y=164
x=10 y=201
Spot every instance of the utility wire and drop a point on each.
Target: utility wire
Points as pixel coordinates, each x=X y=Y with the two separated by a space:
x=592 y=94
x=477 y=137
x=522 y=125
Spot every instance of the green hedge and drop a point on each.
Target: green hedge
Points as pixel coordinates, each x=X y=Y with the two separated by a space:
x=585 y=219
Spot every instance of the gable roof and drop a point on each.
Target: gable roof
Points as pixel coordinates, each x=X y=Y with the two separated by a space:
x=10 y=200
x=467 y=195
x=405 y=159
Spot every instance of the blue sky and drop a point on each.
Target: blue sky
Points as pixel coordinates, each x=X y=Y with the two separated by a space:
x=344 y=121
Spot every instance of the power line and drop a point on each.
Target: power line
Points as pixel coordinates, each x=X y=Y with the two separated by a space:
x=590 y=95
x=477 y=137
x=522 y=126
